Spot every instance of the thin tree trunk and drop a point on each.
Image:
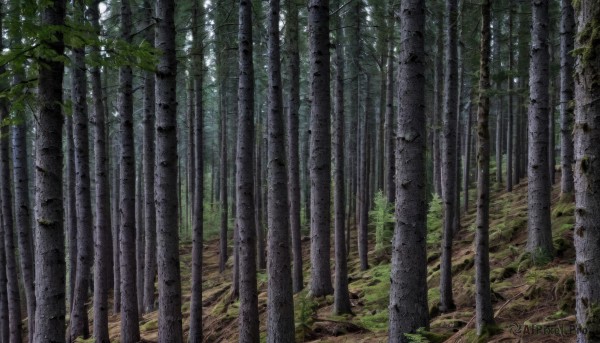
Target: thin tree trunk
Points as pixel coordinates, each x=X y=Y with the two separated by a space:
x=467 y=164
x=539 y=238
x=261 y=261
x=103 y=223
x=244 y=174
x=438 y=106
x=148 y=152
x=363 y=179
x=49 y=231
x=223 y=184
x=20 y=175
x=78 y=319
x=4 y=313
x=408 y=290
x=293 y=57
x=320 y=147
x=70 y=209
x=341 y=303
x=116 y=231
x=139 y=238
x=567 y=35
x=449 y=155
x=12 y=285
x=195 y=334
x=587 y=178
x=389 y=119
x=483 y=296
x=280 y=303
x=510 y=125
x=169 y=280
x=130 y=331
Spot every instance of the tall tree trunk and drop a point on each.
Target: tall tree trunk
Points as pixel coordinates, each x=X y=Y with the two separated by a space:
x=4 y=316
x=130 y=331
x=49 y=232
x=169 y=281
x=510 y=124
x=587 y=178
x=341 y=303
x=483 y=296
x=363 y=180
x=244 y=174
x=116 y=231
x=539 y=238
x=139 y=238
x=389 y=117
x=449 y=155
x=223 y=183
x=70 y=208
x=408 y=290
x=467 y=164
x=20 y=175
x=293 y=58
x=261 y=261
x=320 y=147
x=195 y=334
x=12 y=285
x=280 y=303
x=567 y=35
x=438 y=106
x=79 y=320
x=102 y=228
x=148 y=171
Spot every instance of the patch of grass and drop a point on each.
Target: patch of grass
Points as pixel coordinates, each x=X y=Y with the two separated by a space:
x=149 y=325
x=434 y=222
x=375 y=321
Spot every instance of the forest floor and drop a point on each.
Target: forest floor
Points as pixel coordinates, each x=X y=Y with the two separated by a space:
x=533 y=300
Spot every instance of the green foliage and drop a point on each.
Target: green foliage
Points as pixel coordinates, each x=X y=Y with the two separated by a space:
x=434 y=221
x=381 y=216
x=212 y=216
x=424 y=336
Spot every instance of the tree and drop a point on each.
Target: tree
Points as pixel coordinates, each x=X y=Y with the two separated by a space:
x=341 y=294
x=539 y=235
x=130 y=331
x=408 y=291
x=389 y=114
x=49 y=231
x=20 y=177
x=449 y=154
x=148 y=172
x=293 y=57
x=169 y=281
x=248 y=319
x=483 y=296
x=195 y=335
x=280 y=306
x=320 y=147
x=510 y=124
x=78 y=320
x=587 y=178
x=102 y=229
x=567 y=34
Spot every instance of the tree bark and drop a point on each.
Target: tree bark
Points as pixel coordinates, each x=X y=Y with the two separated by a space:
x=363 y=181
x=438 y=106
x=70 y=208
x=49 y=233
x=169 y=281
x=341 y=304
x=130 y=331
x=467 y=164
x=244 y=174
x=587 y=178
x=223 y=184
x=567 y=36
x=408 y=291
x=116 y=232
x=102 y=228
x=320 y=147
x=483 y=296
x=539 y=238
x=389 y=117
x=293 y=58
x=510 y=124
x=449 y=155
x=280 y=303
x=79 y=320
x=195 y=334
x=139 y=238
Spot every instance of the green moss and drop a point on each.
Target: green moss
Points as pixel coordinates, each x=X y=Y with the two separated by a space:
x=424 y=336
x=433 y=301
x=589 y=41
x=486 y=332
x=149 y=326
x=375 y=321
x=83 y=340
x=592 y=323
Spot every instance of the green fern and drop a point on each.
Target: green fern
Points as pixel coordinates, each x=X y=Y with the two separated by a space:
x=381 y=215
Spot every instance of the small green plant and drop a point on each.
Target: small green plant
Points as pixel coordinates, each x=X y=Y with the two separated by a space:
x=434 y=221
x=381 y=216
